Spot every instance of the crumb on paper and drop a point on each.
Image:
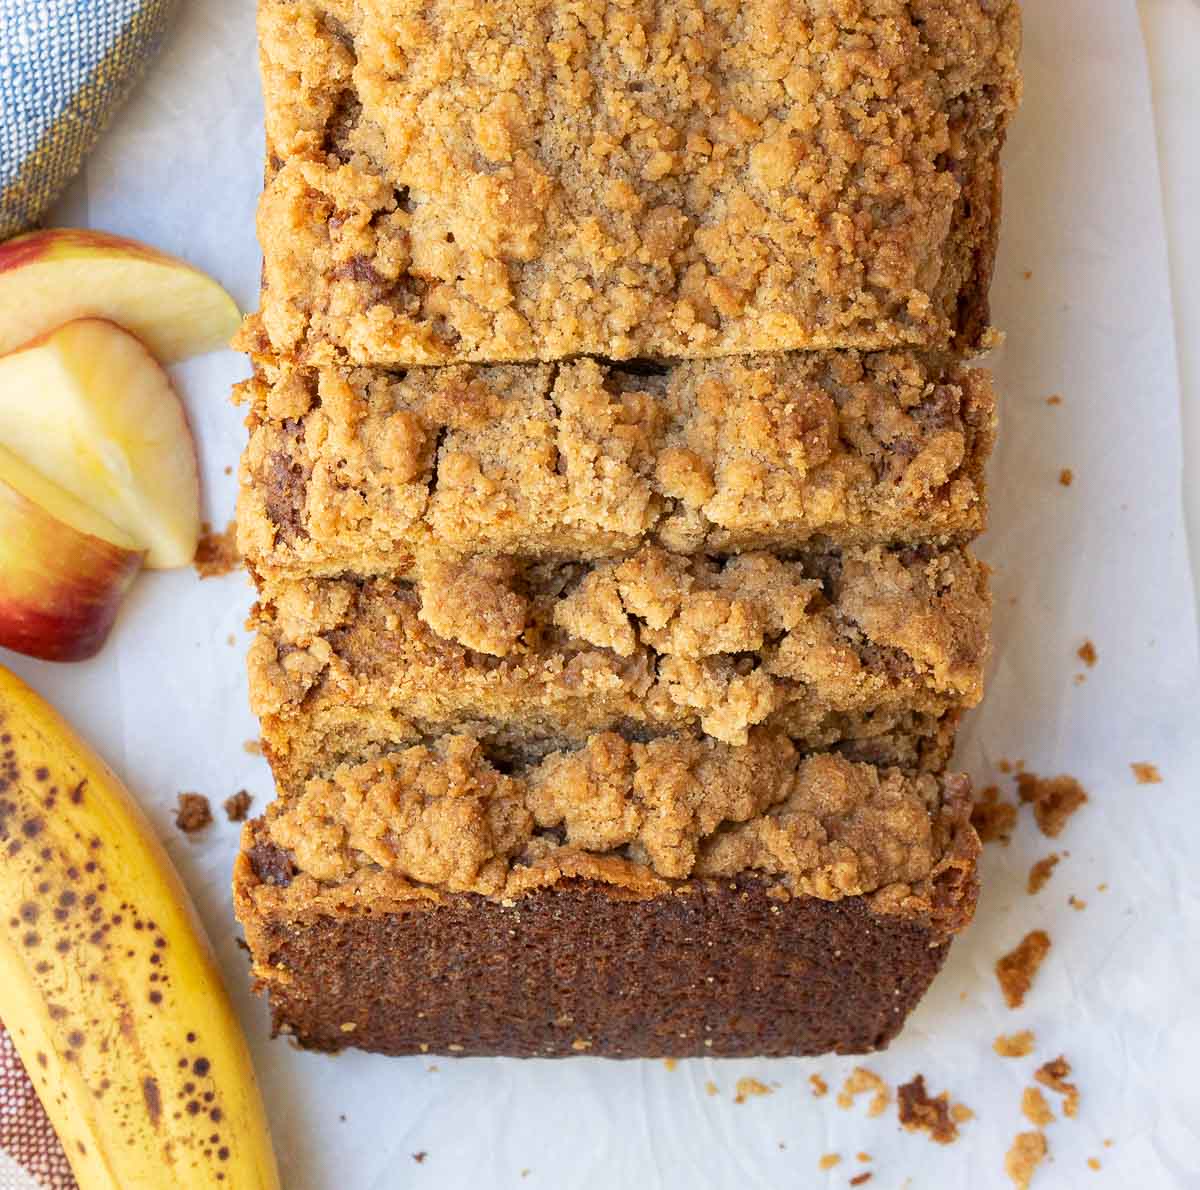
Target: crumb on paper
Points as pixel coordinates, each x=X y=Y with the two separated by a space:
x=1028 y=274
x=419 y=1158
x=1066 y=477
x=1145 y=773
x=217 y=553
x=746 y=1087
x=1108 y=1142
x=820 y=1088
x=670 y=1063
x=1027 y=1153
x=859 y=1081
x=1054 y=800
x=920 y=1112
x=1102 y=888
x=711 y=1088
x=1094 y=1163
x=228 y=468
x=1054 y=399
x=1054 y=1074
x=1014 y=1045
x=1041 y=872
x=994 y=820
x=1005 y=766
x=253 y=747
x=1035 y=1108
x=861 y=1179
x=231 y=640
x=524 y=1173
x=1016 y=970
x=1079 y=679
x=193 y=814
x=863 y=1157
x=1087 y=653
x=238 y=806
x=829 y=1161
x=1078 y=905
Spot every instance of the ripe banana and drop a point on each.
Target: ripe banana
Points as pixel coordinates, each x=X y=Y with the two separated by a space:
x=107 y=983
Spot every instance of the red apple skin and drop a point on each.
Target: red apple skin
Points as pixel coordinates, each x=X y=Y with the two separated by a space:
x=212 y=315
x=60 y=589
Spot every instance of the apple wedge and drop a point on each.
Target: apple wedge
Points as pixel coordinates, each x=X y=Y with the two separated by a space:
x=91 y=409
x=64 y=569
x=48 y=278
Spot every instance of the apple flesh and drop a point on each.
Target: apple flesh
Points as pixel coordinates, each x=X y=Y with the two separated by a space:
x=48 y=278
x=91 y=409
x=64 y=569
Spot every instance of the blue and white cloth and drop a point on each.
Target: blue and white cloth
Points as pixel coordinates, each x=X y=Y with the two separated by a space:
x=65 y=65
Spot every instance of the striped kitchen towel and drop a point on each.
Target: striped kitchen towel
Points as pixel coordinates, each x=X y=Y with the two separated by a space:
x=65 y=65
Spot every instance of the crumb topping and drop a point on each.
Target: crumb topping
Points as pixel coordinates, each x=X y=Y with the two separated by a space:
x=1016 y=970
x=519 y=180
x=1041 y=872
x=1054 y=800
x=1028 y=1151
x=370 y=471
x=193 y=813
x=934 y=1115
x=666 y=810
x=1014 y=1045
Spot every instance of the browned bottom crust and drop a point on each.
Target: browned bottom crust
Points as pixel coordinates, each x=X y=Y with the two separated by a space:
x=722 y=969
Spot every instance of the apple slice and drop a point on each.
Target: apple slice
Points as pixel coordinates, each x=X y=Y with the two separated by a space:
x=90 y=408
x=64 y=569
x=51 y=277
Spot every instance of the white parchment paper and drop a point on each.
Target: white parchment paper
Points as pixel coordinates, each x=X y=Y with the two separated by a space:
x=1082 y=289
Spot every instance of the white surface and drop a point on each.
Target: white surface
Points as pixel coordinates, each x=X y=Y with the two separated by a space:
x=1105 y=559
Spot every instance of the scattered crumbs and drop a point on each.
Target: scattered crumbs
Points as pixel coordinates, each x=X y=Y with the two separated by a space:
x=1102 y=888
x=1054 y=800
x=231 y=640
x=1014 y=1045
x=746 y=1087
x=228 y=468
x=419 y=1158
x=253 y=747
x=1027 y=1153
x=431 y=1069
x=1016 y=970
x=1005 y=766
x=820 y=1088
x=1035 y=1108
x=1079 y=679
x=1087 y=653
x=859 y=1081
x=1066 y=477
x=1146 y=774
x=1041 y=872
x=194 y=813
x=710 y=1088
x=1028 y=274
x=1108 y=1142
x=862 y=1156
x=1054 y=399
x=919 y=1112
x=1094 y=1163
x=217 y=553
x=960 y=1113
x=993 y=819
x=829 y=1161
x=236 y=807
x=670 y=1063
x=524 y=1173
x=1054 y=1075
x=861 y=1179
x=1078 y=905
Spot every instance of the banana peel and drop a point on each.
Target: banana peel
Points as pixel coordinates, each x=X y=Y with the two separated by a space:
x=108 y=986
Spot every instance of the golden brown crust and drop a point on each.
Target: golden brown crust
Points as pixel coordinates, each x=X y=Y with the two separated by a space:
x=661 y=641
x=365 y=472
x=524 y=180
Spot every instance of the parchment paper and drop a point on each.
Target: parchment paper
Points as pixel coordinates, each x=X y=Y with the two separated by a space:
x=1082 y=290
